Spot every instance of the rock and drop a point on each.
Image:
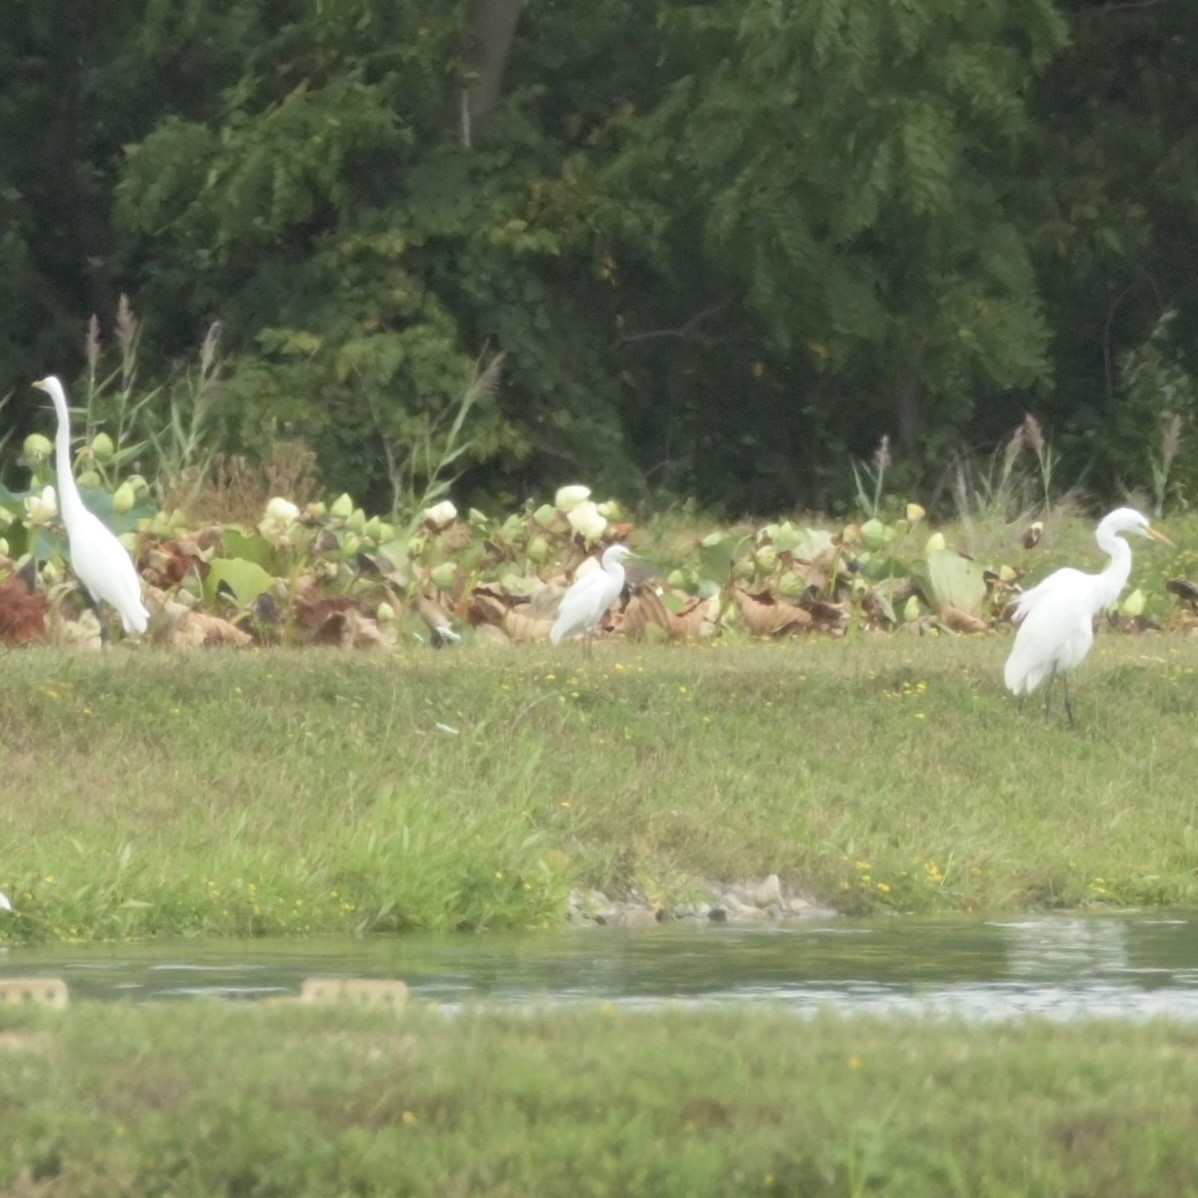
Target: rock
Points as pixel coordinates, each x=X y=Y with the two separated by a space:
x=769 y=893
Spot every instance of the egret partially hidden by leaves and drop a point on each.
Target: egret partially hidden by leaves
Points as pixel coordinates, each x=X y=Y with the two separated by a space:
x=99 y=561
x=590 y=595
x=1056 y=617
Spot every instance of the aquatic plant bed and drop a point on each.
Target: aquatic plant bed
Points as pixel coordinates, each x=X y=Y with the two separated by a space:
x=201 y=1099
x=277 y=791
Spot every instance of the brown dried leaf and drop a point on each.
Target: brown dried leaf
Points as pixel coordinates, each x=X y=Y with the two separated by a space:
x=521 y=627
x=198 y=630
x=22 y=613
x=960 y=621
x=765 y=615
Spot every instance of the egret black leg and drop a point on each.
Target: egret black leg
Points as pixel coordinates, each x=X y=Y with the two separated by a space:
x=1048 y=695
x=98 y=608
x=1068 y=702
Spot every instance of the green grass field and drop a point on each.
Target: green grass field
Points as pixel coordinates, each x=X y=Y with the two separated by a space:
x=151 y=793
x=199 y=1100
x=277 y=792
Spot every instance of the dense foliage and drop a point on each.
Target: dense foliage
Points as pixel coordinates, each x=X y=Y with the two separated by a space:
x=724 y=248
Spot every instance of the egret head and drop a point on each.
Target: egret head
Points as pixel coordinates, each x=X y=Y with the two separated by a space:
x=617 y=555
x=1126 y=519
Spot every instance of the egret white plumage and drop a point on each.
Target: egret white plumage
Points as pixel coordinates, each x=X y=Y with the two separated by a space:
x=1056 y=617
x=591 y=594
x=98 y=560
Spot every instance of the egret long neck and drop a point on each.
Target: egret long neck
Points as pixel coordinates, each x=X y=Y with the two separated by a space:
x=68 y=493
x=1113 y=579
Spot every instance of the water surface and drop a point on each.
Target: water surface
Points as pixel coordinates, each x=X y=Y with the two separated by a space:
x=1133 y=965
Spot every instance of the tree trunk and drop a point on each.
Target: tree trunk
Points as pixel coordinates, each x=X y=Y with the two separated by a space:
x=489 y=39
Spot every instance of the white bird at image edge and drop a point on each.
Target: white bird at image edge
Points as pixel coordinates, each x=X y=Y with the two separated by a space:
x=98 y=560
x=591 y=594
x=1056 y=617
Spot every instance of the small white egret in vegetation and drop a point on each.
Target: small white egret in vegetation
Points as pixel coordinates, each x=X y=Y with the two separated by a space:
x=1056 y=617
x=99 y=561
x=5 y=905
x=590 y=595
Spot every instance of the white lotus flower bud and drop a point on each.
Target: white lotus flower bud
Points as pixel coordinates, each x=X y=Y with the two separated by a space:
x=343 y=505
x=41 y=509
x=102 y=447
x=936 y=543
x=440 y=515
x=283 y=510
x=385 y=613
x=586 y=519
x=568 y=498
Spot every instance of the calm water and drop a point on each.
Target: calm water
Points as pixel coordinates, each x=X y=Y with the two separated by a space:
x=1127 y=966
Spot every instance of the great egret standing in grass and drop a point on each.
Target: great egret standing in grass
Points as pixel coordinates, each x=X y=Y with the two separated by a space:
x=590 y=595
x=1056 y=617
x=98 y=560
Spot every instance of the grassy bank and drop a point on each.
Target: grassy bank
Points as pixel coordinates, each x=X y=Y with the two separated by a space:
x=263 y=792
x=123 y=1100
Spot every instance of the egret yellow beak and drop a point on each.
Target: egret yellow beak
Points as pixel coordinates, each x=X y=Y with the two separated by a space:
x=39 y=385
x=1160 y=536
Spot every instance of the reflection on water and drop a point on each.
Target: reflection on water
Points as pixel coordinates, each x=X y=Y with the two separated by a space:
x=1067 y=967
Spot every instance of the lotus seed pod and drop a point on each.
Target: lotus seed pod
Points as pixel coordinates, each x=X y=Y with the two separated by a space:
x=477 y=519
x=342 y=507
x=791 y=585
x=89 y=478
x=568 y=498
x=51 y=573
x=139 y=484
x=766 y=558
x=3 y=546
x=873 y=533
x=611 y=509
x=936 y=543
x=37 y=448
x=444 y=575
x=545 y=515
x=1133 y=605
x=373 y=527
x=911 y=609
x=538 y=549
x=384 y=613
x=915 y=513
x=102 y=447
x=317 y=510
x=350 y=544
x=123 y=498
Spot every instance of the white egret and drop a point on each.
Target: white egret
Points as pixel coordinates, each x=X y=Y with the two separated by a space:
x=99 y=561
x=1056 y=617
x=591 y=594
